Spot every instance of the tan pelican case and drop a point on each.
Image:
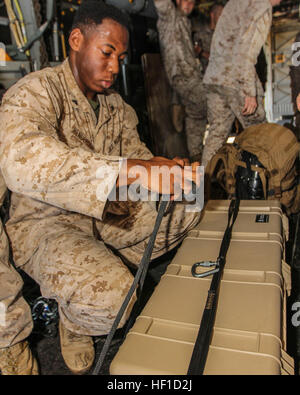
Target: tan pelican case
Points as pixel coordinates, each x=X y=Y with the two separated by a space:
x=250 y=328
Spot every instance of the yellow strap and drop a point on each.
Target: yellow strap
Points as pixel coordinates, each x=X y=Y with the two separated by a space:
x=63 y=44
x=20 y=15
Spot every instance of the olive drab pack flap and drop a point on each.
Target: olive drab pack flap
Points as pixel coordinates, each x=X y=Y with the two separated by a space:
x=276 y=148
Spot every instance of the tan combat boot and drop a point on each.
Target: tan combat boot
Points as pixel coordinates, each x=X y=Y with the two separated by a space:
x=77 y=350
x=18 y=360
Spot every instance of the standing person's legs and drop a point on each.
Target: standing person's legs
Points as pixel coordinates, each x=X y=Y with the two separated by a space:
x=195 y=126
x=220 y=120
x=192 y=96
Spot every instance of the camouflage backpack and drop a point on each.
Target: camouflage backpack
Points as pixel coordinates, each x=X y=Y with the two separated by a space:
x=276 y=149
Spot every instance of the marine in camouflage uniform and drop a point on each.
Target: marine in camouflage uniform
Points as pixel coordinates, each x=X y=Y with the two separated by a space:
x=231 y=77
x=64 y=137
x=183 y=70
x=15 y=315
x=52 y=146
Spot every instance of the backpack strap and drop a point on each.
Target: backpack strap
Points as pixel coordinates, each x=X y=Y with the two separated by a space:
x=228 y=156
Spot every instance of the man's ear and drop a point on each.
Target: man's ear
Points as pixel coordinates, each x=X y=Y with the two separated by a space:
x=177 y=2
x=75 y=39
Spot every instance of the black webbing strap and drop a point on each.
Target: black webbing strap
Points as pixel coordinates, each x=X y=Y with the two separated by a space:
x=201 y=347
x=138 y=281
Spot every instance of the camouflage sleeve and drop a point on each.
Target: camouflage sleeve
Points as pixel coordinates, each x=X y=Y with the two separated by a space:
x=35 y=163
x=132 y=147
x=164 y=8
x=248 y=51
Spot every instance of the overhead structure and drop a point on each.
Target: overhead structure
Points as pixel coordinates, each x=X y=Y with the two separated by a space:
x=27 y=49
x=141 y=7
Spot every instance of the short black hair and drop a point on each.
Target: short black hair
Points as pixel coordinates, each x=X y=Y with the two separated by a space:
x=92 y=12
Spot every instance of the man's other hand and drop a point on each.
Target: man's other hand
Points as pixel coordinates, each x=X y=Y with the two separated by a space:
x=250 y=105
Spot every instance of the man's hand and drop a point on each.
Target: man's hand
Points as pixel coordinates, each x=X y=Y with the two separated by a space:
x=161 y=175
x=298 y=102
x=250 y=105
x=182 y=161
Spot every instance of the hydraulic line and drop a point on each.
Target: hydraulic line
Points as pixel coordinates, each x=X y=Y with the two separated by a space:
x=22 y=24
x=63 y=44
x=55 y=41
x=14 y=24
